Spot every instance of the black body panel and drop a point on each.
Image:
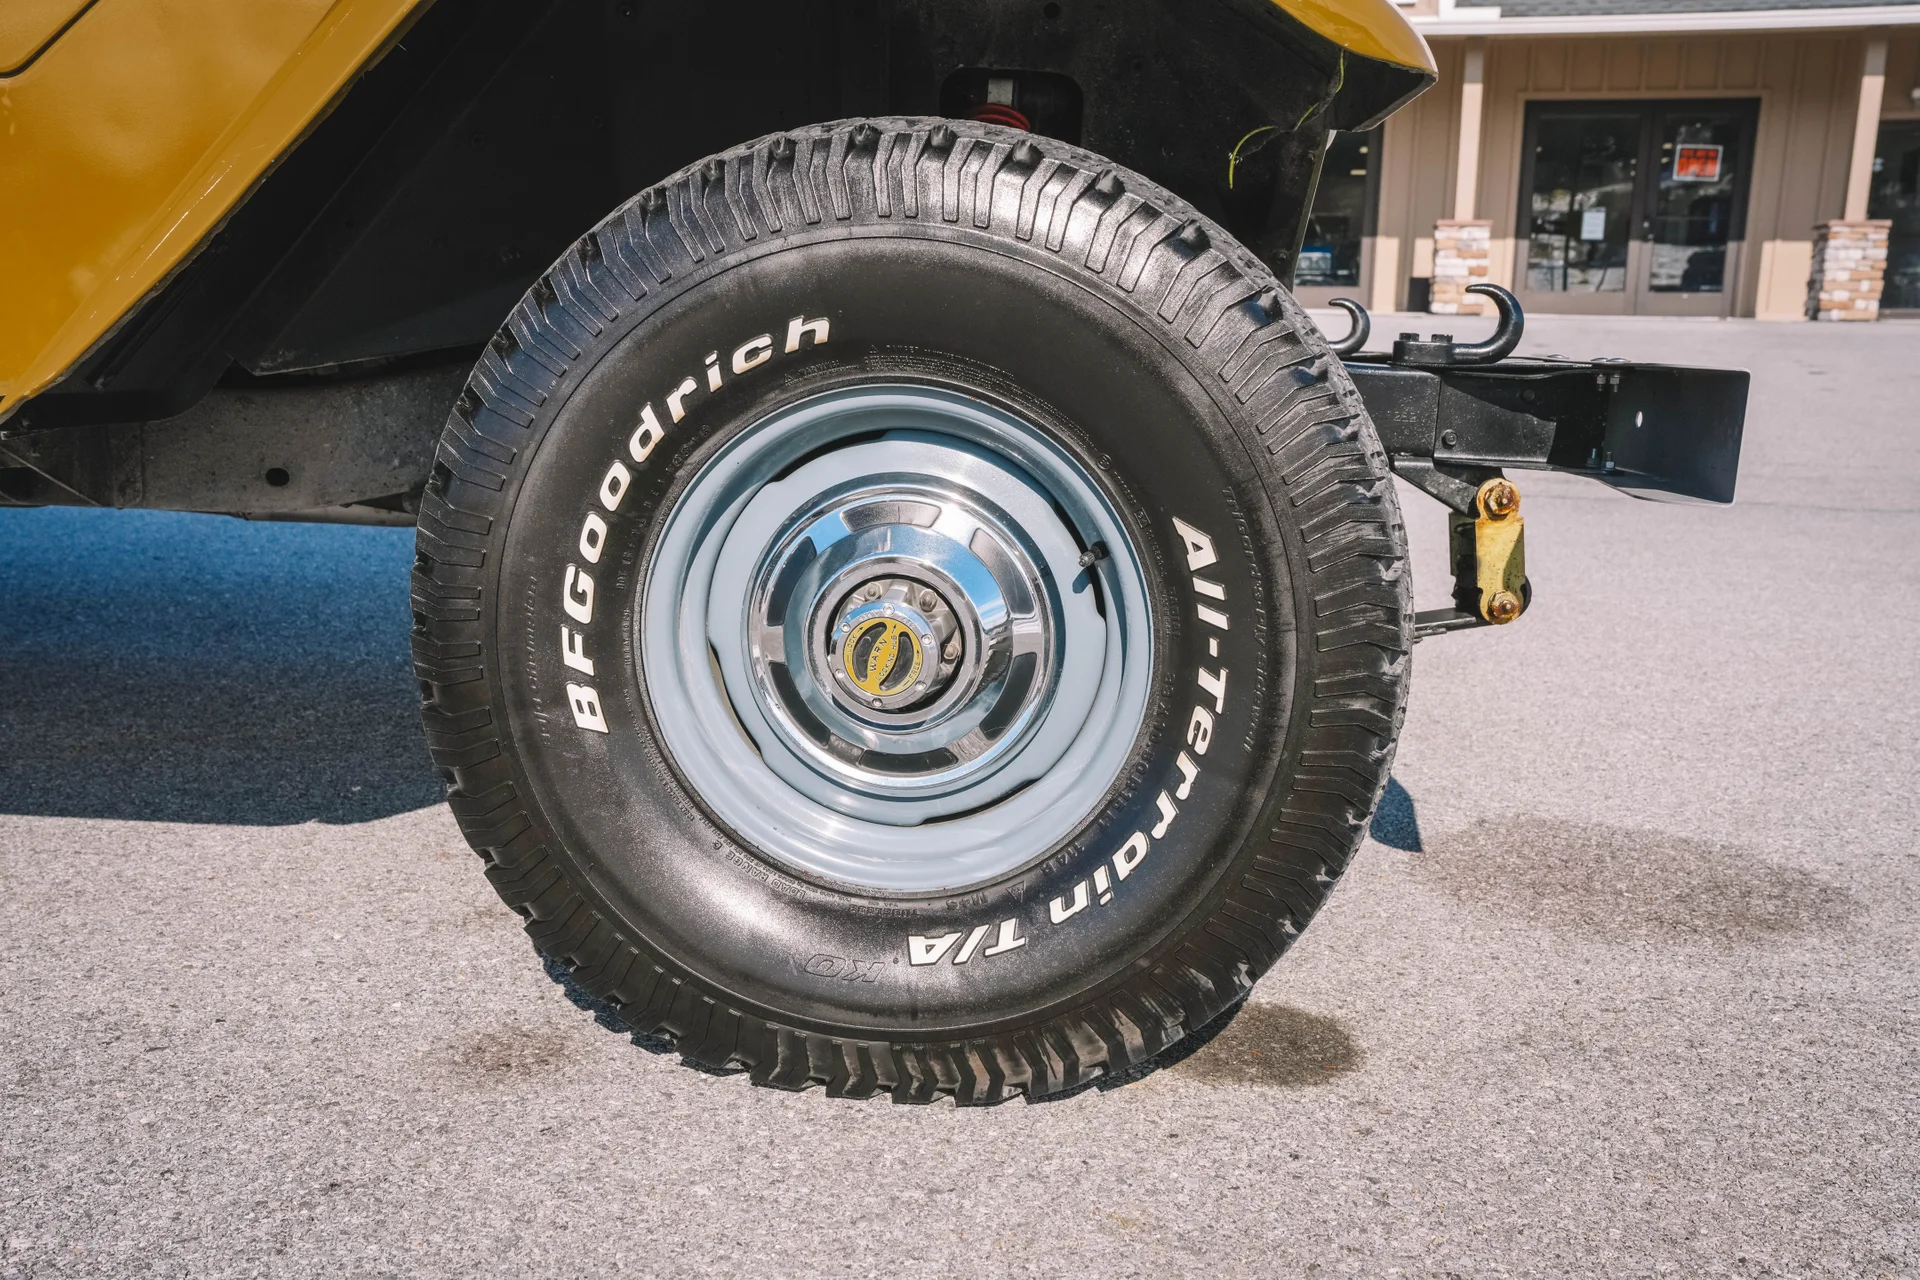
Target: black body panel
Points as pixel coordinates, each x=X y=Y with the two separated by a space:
x=494 y=132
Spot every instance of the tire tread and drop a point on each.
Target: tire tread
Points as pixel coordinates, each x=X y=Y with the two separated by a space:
x=1167 y=266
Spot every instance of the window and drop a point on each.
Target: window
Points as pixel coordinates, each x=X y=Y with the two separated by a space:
x=1342 y=215
x=1585 y=164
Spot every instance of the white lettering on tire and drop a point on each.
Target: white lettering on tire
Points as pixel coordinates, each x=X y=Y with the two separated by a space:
x=1104 y=884
x=753 y=353
x=593 y=537
x=573 y=650
x=932 y=950
x=577 y=593
x=646 y=435
x=816 y=329
x=614 y=487
x=586 y=707
x=1200 y=552
x=577 y=596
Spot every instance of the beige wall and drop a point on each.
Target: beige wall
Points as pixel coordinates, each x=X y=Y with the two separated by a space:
x=1903 y=76
x=1416 y=180
x=1808 y=86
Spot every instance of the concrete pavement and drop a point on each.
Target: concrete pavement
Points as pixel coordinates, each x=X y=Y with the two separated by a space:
x=1625 y=984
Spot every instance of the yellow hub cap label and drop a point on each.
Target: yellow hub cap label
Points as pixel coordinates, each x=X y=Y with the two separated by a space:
x=882 y=656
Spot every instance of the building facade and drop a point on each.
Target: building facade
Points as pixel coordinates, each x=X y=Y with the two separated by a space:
x=1662 y=157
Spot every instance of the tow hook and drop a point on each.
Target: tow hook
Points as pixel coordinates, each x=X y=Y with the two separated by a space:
x=1412 y=350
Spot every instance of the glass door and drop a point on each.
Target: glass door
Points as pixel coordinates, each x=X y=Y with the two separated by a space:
x=1577 y=207
x=1695 y=206
x=1634 y=207
x=1895 y=195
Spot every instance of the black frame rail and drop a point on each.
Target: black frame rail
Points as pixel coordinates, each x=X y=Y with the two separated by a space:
x=1453 y=416
x=1656 y=431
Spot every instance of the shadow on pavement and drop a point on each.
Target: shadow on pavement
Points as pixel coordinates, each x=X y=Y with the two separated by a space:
x=183 y=668
x=1273 y=1046
x=1396 y=824
x=1634 y=884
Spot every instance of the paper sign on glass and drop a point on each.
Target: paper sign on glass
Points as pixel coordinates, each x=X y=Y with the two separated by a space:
x=1593 y=224
x=1697 y=162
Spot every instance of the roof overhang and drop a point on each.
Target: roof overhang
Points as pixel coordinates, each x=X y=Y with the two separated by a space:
x=1486 y=21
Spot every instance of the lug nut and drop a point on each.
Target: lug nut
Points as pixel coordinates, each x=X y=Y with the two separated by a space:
x=928 y=601
x=1500 y=498
x=1504 y=607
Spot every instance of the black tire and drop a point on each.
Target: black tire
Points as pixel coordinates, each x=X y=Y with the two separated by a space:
x=1029 y=274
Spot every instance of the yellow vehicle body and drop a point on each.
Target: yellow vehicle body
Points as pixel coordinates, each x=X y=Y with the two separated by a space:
x=129 y=129
x=128 y=139
x=1370 y=28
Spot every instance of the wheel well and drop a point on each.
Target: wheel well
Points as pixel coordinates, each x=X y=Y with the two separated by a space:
x=413 y=217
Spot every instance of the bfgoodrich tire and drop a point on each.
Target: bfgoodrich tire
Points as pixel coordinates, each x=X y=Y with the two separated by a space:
x=907 y=605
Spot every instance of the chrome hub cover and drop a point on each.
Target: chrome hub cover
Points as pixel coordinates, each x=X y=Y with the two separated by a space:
x=900 y=634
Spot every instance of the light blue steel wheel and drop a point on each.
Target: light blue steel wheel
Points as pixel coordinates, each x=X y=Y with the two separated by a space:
x=897 y=639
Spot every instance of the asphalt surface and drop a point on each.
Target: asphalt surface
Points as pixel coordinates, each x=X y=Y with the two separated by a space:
x=1625 y=984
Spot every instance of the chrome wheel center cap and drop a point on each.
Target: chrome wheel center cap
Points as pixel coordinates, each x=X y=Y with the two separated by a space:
x=902 y=634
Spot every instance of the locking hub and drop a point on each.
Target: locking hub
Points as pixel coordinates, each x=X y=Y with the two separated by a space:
x=895 y=643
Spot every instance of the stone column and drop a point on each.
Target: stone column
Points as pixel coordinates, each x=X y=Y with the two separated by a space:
x=1849 y=270
x=1463 y=255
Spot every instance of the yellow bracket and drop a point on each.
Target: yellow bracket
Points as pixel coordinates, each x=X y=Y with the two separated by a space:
x=1495 y=536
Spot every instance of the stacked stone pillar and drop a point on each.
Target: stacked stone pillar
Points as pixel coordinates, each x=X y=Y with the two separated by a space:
x=1462 y=255
x=1849 y=270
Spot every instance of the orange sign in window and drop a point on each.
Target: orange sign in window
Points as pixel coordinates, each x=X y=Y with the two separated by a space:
x=1697 y=162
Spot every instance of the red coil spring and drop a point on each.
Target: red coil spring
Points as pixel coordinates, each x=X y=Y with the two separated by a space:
x=1000 y=113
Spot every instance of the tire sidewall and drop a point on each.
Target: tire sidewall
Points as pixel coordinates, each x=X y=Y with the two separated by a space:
x=943 y=308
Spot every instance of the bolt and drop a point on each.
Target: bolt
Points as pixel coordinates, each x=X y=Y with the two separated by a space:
x=1504 y=607
x=928 y=600
x=1500 y=499
x=1449 y=438
x=952 y=652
